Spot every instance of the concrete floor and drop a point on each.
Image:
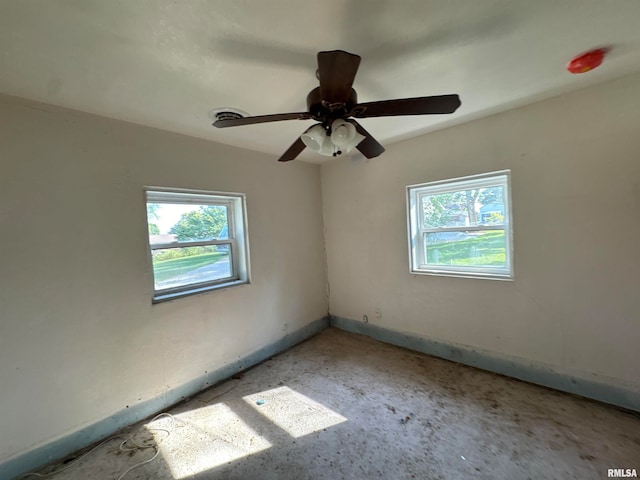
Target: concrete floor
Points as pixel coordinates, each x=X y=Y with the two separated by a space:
x=343 y=406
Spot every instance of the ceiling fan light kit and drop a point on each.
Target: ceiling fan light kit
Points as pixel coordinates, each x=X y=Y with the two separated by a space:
x=341 y=138
x=334 y=103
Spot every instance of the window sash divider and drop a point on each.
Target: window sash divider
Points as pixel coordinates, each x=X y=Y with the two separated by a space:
x=474 y=228
x=162 y=246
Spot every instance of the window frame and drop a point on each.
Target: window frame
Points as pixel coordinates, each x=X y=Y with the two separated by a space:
x=416 y=229
x=237 y=238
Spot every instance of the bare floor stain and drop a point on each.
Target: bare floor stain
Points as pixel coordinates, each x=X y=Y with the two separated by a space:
x=343 y=406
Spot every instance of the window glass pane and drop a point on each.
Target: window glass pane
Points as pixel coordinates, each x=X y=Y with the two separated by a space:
x=481 y=206
x=177 y=222
x=464 y=248
x=177 y=267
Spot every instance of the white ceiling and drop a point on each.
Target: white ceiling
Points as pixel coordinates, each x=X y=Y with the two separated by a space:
x=166 y=63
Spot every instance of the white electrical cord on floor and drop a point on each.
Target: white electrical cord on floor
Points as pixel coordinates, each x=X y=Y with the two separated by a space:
x=128 y=439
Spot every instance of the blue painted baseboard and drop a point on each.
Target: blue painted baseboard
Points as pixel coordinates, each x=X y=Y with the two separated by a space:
x=43 y=455
x=618 y=395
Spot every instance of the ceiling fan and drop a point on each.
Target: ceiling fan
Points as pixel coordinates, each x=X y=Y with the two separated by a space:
x=334 y=102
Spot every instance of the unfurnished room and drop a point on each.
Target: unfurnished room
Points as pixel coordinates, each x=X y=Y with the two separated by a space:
x=300 y=240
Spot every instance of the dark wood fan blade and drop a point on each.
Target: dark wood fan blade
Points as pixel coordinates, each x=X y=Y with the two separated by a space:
x=408 y=106
x=234 y=122
x=293 y=151
x=336 y=71
x=369 y=147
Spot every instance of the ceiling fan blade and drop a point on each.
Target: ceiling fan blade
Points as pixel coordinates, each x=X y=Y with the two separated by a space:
x=369 y=147
x=336 y=71
x=234 y=122
x=293 y=151
x=408 y=106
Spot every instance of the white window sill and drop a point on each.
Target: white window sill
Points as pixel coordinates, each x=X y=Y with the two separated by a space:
x=166 y=297
x=476 y=275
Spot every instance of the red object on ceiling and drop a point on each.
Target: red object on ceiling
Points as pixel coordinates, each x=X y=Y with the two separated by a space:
x=587 y=61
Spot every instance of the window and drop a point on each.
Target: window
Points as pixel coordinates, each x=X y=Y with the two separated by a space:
x=197 y=241
x=461 y=227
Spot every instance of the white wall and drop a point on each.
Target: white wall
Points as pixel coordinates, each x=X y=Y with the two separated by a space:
x=79 y=337
x=575 y=301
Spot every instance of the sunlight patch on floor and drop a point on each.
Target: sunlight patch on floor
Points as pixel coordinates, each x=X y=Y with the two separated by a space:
x=294 y=412
x=205 y=438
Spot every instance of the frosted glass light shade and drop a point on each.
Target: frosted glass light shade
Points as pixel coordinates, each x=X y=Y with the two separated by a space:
x=345 y=136
x=315 y=138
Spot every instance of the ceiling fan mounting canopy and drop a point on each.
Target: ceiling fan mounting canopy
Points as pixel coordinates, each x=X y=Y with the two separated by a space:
x=335 y=99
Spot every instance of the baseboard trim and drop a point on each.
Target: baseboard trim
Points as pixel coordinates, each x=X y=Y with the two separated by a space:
x=618 y=395
x=57 y=449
